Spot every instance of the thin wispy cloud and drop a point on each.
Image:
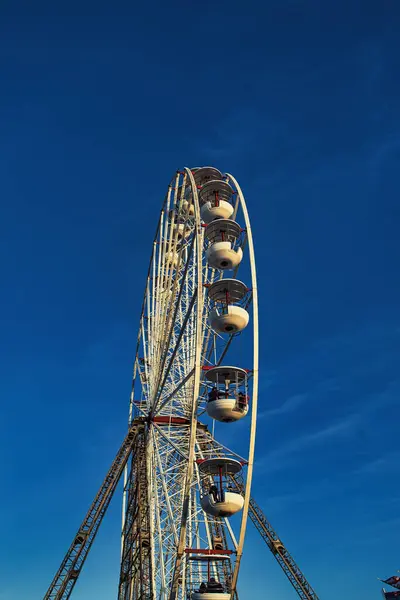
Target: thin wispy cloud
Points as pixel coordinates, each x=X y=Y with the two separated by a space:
x=329 y=486
x=290 y=451
x=300 y=401
x=384 y=463
x=272 y=460
x=290 y=405
x=336 y=366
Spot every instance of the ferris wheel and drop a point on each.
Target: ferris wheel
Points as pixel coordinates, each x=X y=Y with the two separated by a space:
x=186 y=495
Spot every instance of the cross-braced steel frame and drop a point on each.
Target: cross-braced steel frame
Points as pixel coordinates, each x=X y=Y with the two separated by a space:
x=174 y=343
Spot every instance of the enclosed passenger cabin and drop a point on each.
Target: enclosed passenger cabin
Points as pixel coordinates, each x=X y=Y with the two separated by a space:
x=224 y=251
x=219 y=496
x=215 y=199
x=180 y=227
x=187 y=207
x=208 y=577
x=227 y=394
x=172 y=260
x=227 y=315
x=203 y=175
x=181 y=230
x=163 y=285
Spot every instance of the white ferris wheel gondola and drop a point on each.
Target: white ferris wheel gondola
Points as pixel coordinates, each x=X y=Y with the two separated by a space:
x=228 y=315
x=228 y=399
x=224 y=251
x=215 y=199
x=205 y=567
x=203 y=175
x=219 y=500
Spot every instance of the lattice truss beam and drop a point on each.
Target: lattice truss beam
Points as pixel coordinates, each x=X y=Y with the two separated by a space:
x=170 y=444
x=150 y=538
x=65 y=579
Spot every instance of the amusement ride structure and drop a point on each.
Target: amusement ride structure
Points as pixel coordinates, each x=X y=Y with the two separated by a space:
x=186 y=496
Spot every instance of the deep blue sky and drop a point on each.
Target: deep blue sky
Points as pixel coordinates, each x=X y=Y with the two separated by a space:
x=100 y=102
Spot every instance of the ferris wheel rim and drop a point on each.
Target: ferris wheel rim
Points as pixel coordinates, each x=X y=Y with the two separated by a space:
x=253 y=423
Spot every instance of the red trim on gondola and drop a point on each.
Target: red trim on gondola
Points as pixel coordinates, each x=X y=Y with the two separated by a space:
x=209 y=367
x=207 y=551
x=165 y=419
x=201 y=460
